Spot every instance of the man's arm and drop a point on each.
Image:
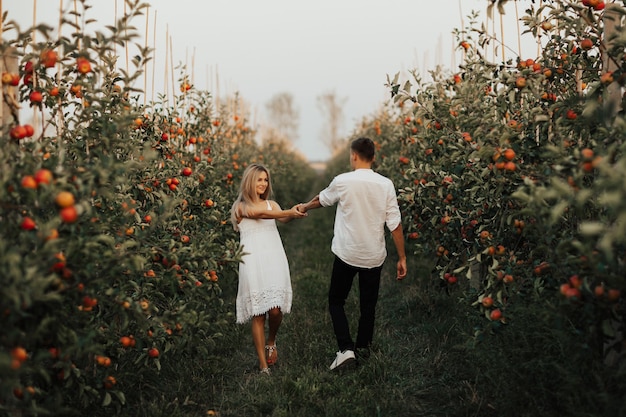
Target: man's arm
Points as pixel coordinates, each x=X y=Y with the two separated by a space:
x=313 y=204
x=398 y=240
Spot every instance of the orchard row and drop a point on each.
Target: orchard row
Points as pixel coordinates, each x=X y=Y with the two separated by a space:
x=115 y=224
x=511 y=175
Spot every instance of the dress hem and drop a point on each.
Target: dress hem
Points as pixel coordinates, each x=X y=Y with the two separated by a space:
x=248 y=317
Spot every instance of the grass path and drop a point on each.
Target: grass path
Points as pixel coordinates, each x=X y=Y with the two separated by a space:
x=401 y=377
x=425 y=362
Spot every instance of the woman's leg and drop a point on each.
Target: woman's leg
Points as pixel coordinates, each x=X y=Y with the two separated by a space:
x=258 y=337
x=275 y=319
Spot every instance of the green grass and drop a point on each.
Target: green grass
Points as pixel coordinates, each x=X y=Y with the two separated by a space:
x=425 y=361
x=407 y=373
x=400 y=377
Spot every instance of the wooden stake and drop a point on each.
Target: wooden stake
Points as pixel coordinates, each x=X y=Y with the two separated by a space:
x=172 y=65
x=59 y=69
x=154 y=56
x=145 y=64
x=494 y=42
x=34 y=24
x=34 y=42
x=59 y=111
x=439 y=52
x=539 y=37
x=462 y=30
x=166 y=73
x=115 y=36
x=519 y=33
x=60 y=34
x=193 y=65
x=217 y=88
x=453 y=58
x=76 y=21
x=126 y=33
x=502 y=34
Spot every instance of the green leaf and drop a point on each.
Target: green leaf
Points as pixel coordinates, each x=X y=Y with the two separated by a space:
x=608 y=329
x=557 y=211
x=592 y=228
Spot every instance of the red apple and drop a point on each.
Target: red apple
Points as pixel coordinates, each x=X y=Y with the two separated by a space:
x=83 y=65
x=49 y=58
x=43 y=176
x=18 y=132
x=28 y=181
x=69 y=214
x=7 y=78
x=586 y=44
x=36 y=97
x=571 y=114
x=30 y=131
x=487 y=302
x=28 y=224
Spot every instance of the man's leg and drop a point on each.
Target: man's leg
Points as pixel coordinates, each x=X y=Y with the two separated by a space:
x=369 y=285
x=340 y=284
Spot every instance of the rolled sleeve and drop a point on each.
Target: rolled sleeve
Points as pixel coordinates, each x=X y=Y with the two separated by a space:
x=329 y=195
x=394 y=218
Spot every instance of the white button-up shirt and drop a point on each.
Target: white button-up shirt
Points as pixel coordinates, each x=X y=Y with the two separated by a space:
x=366 y=202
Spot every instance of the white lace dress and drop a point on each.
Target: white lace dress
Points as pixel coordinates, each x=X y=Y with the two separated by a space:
x=264 y=280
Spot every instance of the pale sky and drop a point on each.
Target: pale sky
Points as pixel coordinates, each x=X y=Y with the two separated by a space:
x=261 y=48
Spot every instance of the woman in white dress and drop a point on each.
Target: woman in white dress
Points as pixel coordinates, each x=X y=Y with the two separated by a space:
x=264 y=281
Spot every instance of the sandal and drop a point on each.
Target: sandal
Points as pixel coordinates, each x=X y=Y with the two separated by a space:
x=272 y=354
x=266 y=371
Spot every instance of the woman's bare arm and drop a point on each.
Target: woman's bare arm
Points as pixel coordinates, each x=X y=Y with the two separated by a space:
x=276 y=213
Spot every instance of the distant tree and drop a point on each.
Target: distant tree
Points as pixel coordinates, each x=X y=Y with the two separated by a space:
x=283 y=119
x=331 y=108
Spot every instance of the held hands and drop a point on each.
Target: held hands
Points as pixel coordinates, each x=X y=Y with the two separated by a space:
x=301 y=207
x=297 y=212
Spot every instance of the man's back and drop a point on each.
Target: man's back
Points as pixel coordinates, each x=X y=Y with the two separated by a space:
x=366 y=201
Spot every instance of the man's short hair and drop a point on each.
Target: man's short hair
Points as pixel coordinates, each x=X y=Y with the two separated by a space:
x=364 y=147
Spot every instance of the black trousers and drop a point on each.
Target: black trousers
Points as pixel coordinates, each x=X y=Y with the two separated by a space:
x=340 y=285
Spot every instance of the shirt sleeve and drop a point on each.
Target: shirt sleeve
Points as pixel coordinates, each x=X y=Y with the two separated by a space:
x=393 y=218
x=329 y=195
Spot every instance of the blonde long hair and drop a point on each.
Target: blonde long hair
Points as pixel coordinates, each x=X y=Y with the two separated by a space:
x=247 y=191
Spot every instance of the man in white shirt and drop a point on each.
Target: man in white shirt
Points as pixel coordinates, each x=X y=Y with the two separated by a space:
x=366 y=203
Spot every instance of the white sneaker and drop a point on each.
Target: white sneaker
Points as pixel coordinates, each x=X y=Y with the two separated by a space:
x=343 y=358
